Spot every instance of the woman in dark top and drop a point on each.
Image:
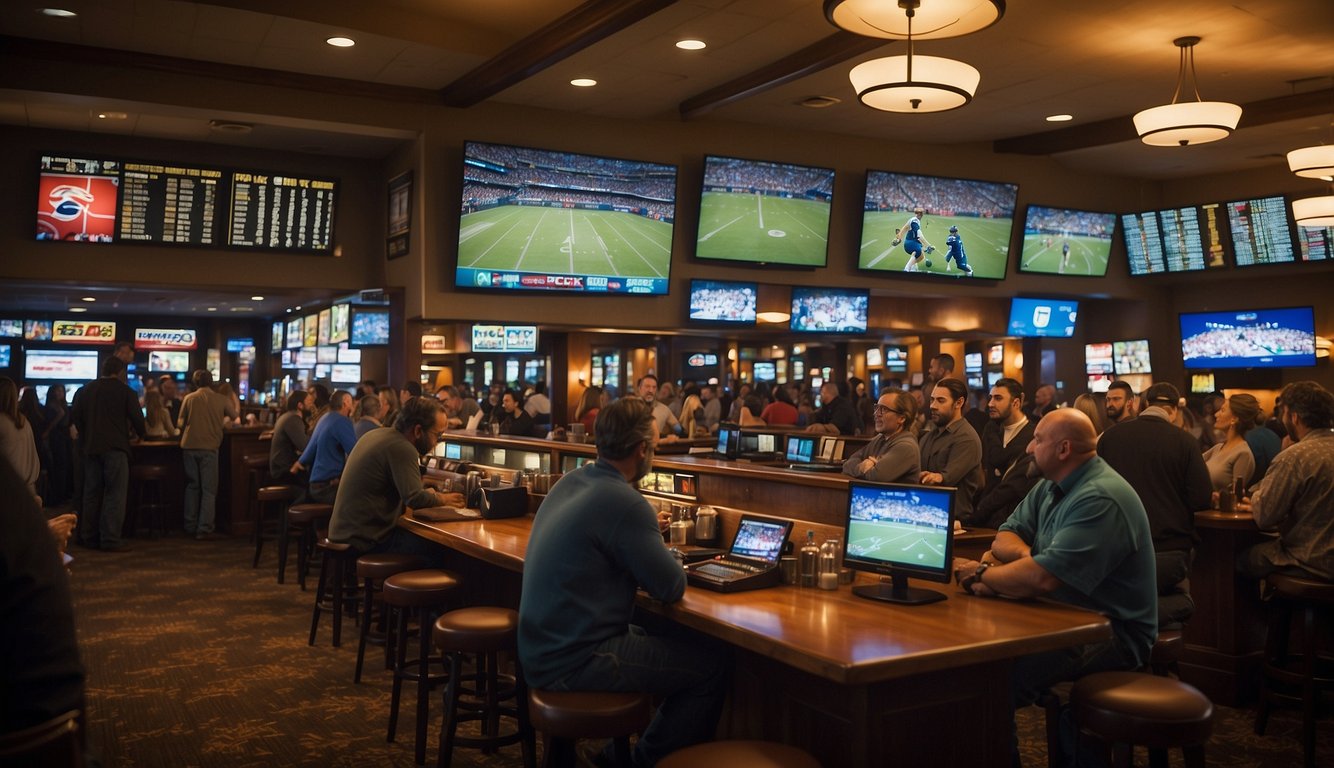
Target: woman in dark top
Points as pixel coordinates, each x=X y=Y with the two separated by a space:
x=32 y=410
x=60 y=475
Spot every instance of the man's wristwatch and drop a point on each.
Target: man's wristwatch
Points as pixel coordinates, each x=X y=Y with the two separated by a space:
x=975 y=578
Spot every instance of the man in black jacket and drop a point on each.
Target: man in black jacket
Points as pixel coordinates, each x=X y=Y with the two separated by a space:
x=104 y=413
x=1005 y=459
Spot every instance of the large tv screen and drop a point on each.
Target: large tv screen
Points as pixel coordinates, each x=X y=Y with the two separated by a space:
x=764 y=212
x=169 y=203
x=1043 y=317
x=295 y=335
x=339 y=329
x=1260 y=231
x=1132 y=357
x=1316 y=244
x=1098 y=358
x=370 y=327
x=1063 y=241
x=168 y=362
x=717 y=301
x=1251 y=338
x=60 y=365
x=894 y=238
x=77 y=199
x=1187 y=239
x=273 y=211
x=829 y=310
x=540 y=220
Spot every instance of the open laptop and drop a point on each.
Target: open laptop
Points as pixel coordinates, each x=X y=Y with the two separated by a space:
x=752 y=560
x=802 y=455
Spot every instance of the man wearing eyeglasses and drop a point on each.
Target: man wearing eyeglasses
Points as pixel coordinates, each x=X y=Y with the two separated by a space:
x=382 y=476
x=892 y=455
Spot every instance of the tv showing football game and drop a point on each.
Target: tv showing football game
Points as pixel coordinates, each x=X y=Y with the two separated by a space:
x=1261 y=233
x=1251 y=338
x=764 y=212
x=1043 y=317
x=370 y=327
x=900 y=531
x=938 y=226
x=1131 y=357
x=1063 y=241
x=541 y=220
x=77 y=199
x=1315 y=243
x=829 y=310
x=717 y=301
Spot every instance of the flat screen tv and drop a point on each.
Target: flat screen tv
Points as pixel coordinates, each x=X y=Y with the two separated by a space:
x=11 y=329
x=875 y=357
x=1187 y=239
x=5 y=355
x=170 y=204
x=765 y=371
x=77 y=199
x=896 y=358
x=345 y=374
x=1261 y=232
x=60 y=365
x=322 y=331
x=1063 y=241
x=306 y=357
x=892 y=234
x=900 y=531
x=310 y=330
x=1098 y=359
x=287 y=358
x=541 y=220
x=829 y=310
x=718 y=301
x=168 y=362
x=349 y=355
x=37 y=330
x=1131 y=357
x=1315 y=244
x=274 y=211
x=322 y=370
x=276 y=336
x=972 y=362
x=326 y=354
x=339 y=330
x=295 y=335
x=1043 y=317
x=764 y=212
x=1251 y=338
x=370 y=327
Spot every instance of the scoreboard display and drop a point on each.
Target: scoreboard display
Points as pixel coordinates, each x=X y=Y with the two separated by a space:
x=282 y=212
x=168 y=204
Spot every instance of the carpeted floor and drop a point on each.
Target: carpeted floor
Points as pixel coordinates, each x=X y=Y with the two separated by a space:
x=195 y=659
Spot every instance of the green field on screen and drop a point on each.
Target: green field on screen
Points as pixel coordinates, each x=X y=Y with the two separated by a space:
x=774 y=230
x=565 y=241
x=986 y=243
x=1088 y=255
x=897 y=542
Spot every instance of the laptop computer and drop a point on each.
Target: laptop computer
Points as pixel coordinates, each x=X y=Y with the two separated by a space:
x=751 y=562
x=801 y=455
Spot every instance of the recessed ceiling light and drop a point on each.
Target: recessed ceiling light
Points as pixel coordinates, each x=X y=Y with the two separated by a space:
x=583 y=82
x=341 y=42
x=111 y=115
x=691 y=45
x=89 y=299
x=256 y=298
x=212 y=309
x=1060 y=118
x=78 y=309
x=59 y=13
x=298 y=307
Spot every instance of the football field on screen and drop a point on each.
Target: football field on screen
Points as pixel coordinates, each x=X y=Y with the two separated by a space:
x=565 y=241
x=1088 y=255
x=986 y=243
x=900 y=542
x=775 y=230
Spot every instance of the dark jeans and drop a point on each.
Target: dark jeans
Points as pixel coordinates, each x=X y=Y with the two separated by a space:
x=405 y=542
x=105 y=483
x=689 y=672
x=201 y=490
x=1258 y=562
x=322 y=492
x=1175 y=605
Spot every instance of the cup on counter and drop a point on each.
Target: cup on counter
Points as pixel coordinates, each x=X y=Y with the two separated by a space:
x=787 y=569
x=577 y=433
x=495 y=428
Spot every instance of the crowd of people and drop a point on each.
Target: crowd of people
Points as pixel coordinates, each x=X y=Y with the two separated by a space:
x=1061 y=222
x=728 y=173
x=938 y=196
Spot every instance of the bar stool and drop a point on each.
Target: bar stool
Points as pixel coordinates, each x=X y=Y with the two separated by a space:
x=740 y=754
x=52 y=744
x=1296 y=676
x=402 y=594
x=485 y=632
x=563 y=717
x=265 y=497
x=257 y=471
x=148 y=505
x=1128 y=708
x=1165 y=656
x=305 y=519
x=332 y=593
x=373 y=569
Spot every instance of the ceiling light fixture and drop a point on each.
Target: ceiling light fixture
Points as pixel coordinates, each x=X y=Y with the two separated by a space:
x=941 y=19
x=59 y=13
x=1314 y=211
x=338 y=41
x=111 y=115
x=583 y=82
x=773 y=317
x=89 y=299
x=691 y=45
x=78 y=309
x=914 y=84
x=1313 y=162
x=1060 y=118
x=1187 y=122
x=256 y=298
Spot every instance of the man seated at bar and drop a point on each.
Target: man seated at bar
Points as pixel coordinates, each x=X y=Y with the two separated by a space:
x=1005 y=458
x=326 y=453
x=668 y=425
x=1296 y=495
x=837 y=414
x=458 y=409
x=1080 y=537
x=514 y=420
x=368 y=415
x=892 y=456
x=595 y=540
x=952 y=451
x=289 y=440
x=382 y=477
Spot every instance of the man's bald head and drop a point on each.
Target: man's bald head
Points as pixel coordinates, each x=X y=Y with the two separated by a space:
x=1074 y=425
x=1062 y=442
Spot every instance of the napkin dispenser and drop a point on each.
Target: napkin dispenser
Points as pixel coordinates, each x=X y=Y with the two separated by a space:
x=510 y=501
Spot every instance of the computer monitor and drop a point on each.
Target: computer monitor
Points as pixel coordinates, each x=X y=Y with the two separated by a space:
x=900 y=531
x=729 y=440
x=800 y=449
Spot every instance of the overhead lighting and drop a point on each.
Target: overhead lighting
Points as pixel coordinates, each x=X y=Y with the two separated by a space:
x=212 y=309
x=1187 y=122
x=111 y=115
x=1314 y=211
x=583 y=82
x=89 y=299
x=1060 y=118
x=773 y=317
x=940 y=19
x=339 y=41
x=59 y=13
x=78 y=309
x=1313 y=162
x=914 y=84
x=691 y=45
x=256 y=298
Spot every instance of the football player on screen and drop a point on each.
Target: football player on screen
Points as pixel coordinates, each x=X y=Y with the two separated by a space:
x=910 y=234
x=954 y=251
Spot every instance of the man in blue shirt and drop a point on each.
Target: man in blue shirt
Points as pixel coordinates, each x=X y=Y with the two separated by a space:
x=594 y=542
x=954 y=252
x=326 y=453
x=1080 y=537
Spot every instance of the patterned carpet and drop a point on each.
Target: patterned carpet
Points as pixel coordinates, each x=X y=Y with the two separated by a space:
x=195 y=659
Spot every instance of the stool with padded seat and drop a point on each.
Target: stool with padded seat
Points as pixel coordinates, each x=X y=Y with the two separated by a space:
x=149 y=507
x=256 y=467
x=740 y=754
x=421 y=592
x=562 y=717
x=1296 y=676
x=372 y=570
x=486 y=632
x=267 y=497
x=1124 y=709
x=305 y=519
x=336 y=590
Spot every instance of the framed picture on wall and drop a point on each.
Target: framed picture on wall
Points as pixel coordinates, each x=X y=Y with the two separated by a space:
x=400 y=216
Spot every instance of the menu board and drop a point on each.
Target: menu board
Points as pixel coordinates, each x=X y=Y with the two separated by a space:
x=1260 y=231
x=168 y=203
x=282 y=212
x=1317 y=243
x=1182 y=251
x=1144 y=246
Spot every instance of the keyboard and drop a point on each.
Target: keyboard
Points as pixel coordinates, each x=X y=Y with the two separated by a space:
x=816 y=467
x=723 y=576
x=719 y=570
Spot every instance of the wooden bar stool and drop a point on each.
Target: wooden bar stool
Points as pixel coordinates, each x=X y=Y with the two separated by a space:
x=1296 y=676
x=373 y=569
x=266 y=497
x=257 y=474
x=149 y=507
x=404 y=593
x=1127 y=708
x=562 y=717
x=740 y=754
x=337 y=588
x=304 y=519
x=485 y=632
x=1165 y=656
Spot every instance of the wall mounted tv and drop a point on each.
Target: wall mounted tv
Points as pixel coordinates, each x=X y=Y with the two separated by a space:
x=1315 y=243
x=541 y=220
x=339 y=330
x=1043 y=317
x=1251 y=338
x=1098 y=359
x=278 y=212
x=764 y=212
x=718 y=301
x=295 y=335
x=370 y=327
x=896 y=358
x=1063 y=241
x=276 y=336
x=829 y=310
x=60 y=365
x=1131 y=357
x=5 y=352
x=1188 y=239
x=11 y=329
x=983 y=211
x=1261 y=232
x=168 y=362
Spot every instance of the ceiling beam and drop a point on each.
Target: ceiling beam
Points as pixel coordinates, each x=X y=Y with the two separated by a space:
x=1118 y=129
x=835 y=49
x=590 y=23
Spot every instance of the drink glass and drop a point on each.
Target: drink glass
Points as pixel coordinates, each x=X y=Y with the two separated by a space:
x=495 y=429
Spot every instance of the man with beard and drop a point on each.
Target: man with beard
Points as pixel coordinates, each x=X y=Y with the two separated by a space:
x=1120 y=402
x=382 y=476
x=1079 y=537
x=1006 y=465
x=594 y=541
x=290 y=439
x=952 y=451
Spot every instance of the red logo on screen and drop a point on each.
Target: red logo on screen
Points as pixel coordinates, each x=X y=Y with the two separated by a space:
x=79 y=208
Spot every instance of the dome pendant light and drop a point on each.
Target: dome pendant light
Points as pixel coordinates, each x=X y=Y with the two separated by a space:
x=1182 y=123
x=914 y=84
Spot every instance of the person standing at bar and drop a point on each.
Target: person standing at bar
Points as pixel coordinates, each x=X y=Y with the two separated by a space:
x=952 y=451
x=892 y=456
x=105 y=411
x=201 y=420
